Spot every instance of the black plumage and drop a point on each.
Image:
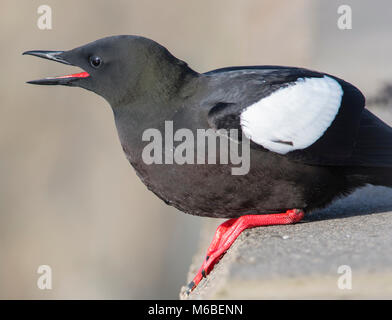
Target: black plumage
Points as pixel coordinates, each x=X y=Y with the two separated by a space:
x=146 y=86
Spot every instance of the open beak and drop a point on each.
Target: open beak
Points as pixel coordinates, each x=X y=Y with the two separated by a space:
x=55 y=56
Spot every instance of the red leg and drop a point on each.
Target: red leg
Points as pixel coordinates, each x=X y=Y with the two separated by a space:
x=228 y=231
x=219 y=237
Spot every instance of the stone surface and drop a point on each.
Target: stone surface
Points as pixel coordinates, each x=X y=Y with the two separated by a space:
x=302 y=260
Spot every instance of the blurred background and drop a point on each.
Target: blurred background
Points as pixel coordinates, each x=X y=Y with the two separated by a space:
x=69 y=198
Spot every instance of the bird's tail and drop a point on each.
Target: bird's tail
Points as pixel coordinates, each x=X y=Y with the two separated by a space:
x=371 y=160
x=381 y=176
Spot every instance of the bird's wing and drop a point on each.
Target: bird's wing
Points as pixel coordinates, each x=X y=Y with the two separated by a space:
x=308 y=116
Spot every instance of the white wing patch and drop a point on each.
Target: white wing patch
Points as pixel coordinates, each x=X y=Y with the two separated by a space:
x=293 y=117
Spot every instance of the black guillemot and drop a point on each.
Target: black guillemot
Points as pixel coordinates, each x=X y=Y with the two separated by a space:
x=310 y=138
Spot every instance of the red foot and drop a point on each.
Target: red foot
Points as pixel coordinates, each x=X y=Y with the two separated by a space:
x=228 y=231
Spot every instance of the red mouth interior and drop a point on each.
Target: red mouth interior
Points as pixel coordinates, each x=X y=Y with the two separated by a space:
x=74 y=75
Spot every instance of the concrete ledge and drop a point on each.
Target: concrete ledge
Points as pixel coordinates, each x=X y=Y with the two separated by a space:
x=301 y=261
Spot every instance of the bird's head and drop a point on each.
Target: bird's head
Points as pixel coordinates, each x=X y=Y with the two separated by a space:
x=119 y=68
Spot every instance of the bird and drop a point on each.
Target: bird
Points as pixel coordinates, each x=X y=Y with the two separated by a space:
x=309 y=136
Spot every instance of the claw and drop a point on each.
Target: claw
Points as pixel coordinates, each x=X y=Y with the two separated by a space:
x=190 y=288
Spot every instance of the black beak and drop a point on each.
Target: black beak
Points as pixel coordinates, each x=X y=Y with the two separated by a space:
x=55 y=56
x=50 y=55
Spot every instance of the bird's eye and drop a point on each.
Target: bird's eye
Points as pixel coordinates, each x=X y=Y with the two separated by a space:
x=95 y=61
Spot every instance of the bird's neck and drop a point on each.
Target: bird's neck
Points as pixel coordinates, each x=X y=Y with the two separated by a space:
x=161 y=78
x=163 y=91
x=159 y=95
